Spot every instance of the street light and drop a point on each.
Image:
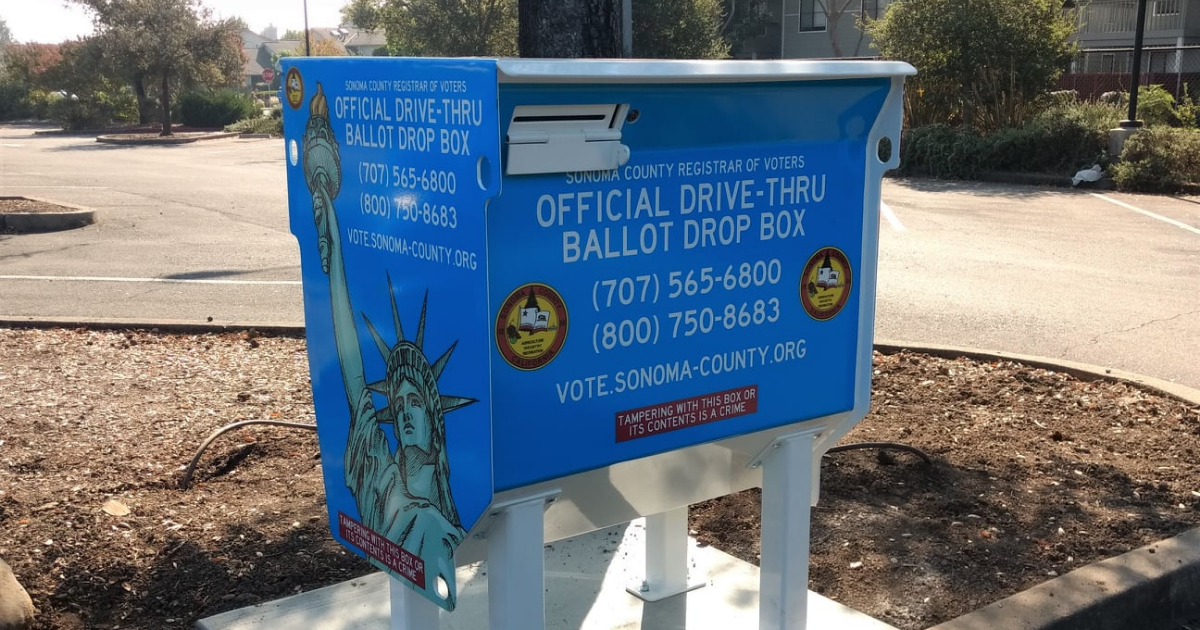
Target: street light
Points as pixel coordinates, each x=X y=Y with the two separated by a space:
x=1136 y=76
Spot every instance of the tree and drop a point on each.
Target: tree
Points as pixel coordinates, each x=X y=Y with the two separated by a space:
x=981 y=62
x=292 y=35
x=323 y=47
x=450 y=28
x=5 y=39
x=569 y=28
x=744 y=21
x=662 y=28
x=679 y=29
x=835 y=11
x=364 y=14
x=174 y=41
x=28 y=65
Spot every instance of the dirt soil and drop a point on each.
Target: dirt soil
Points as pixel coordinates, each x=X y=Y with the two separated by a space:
x=1036 y=473
x=29 y=206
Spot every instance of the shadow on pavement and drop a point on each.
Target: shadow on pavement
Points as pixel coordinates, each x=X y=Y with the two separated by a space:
x=983 y=189
x=222 y=273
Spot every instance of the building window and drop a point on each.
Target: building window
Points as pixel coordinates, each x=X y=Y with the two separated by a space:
x=870 y=9
x=1166 y=7
x=812 y=16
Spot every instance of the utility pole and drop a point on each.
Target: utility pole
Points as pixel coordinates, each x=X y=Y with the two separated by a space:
x=307 y=37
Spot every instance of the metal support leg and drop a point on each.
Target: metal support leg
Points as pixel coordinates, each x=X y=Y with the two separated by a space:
x=786 y=503
x=516 y=568
x=409 y=610
x=666 y=557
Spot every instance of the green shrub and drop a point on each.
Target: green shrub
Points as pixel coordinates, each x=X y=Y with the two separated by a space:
x=1159 y=159
x=259 y=124
x=1156 y=106
x=1051 y=145
x=39 y=104
x=1097 y=116
x=940 y=151
x=215 y=109
x=14 y=103
x=95 y=111
x=1188 y=110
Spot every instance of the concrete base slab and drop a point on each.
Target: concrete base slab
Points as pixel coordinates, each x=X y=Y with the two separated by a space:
x=585 y=590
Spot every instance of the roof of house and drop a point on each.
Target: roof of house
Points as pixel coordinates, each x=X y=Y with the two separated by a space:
x=250 y=39
x=360 y=39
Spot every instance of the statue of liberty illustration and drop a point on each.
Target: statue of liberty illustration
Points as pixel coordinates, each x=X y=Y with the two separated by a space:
x=402 y=495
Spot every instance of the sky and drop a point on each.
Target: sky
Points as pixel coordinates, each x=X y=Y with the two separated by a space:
x=52 y=21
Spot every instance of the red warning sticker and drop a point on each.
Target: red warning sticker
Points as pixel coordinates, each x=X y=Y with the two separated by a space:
x=687 y=412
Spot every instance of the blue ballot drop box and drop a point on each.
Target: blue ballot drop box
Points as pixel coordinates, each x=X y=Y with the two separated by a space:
x=607 y=288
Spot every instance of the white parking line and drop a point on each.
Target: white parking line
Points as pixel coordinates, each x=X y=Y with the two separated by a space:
x=155 y=280
x=1148 y=213
x=891 y=217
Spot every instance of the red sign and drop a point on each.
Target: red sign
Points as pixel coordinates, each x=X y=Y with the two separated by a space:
x=268 y=75
x=393 y=556
x=687 y=412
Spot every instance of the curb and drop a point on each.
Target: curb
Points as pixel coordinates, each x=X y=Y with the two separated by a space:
x=1153 y=586
x=23 y=222
x=159 y=140
x=1081 y=371
x=181 y=326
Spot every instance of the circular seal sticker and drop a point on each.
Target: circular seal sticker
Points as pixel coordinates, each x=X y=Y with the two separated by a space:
x=825 y=283
x=531 y=326
x=293 y=87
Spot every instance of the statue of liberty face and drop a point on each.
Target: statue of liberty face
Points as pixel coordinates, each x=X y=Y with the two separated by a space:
x=412 y=420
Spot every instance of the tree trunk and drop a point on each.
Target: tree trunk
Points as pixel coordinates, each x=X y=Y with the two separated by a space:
x=831 y=24
x=143 y=102
x=166 y=104
x=569 y=28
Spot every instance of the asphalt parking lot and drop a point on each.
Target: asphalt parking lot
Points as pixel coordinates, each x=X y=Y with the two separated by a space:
x=200 y=231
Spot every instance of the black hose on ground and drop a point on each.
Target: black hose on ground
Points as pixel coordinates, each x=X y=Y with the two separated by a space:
x=187 y=474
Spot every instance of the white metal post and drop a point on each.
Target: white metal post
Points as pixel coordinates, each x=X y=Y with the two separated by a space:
x=786 y=506
x=666 y=557
x=516 y=567
x=409 y=610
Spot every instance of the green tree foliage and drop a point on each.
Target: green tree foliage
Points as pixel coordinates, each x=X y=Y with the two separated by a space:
x=679 y=29
x=175 y=43
x=88 y=92
x=5 y=39
x=364 y=14
x=450 y=28
x=982 y=62
x=685 y=29
x=744 y=21
x=569 y=29
x=291 y=35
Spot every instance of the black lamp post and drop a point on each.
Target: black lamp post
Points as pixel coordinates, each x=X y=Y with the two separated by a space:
x=308 y=42
x=1136 y=76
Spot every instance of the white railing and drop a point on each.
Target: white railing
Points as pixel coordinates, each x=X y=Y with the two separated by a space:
x=1120 y=16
